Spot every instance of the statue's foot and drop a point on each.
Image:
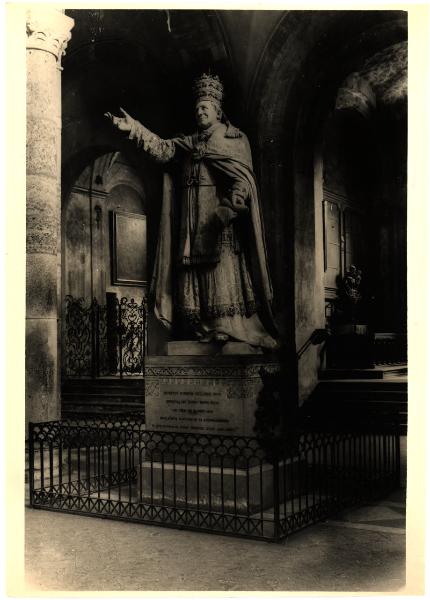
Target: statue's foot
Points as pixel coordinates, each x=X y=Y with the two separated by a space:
x=217 y=336
x=205 y=339
x=271 y=344
x=221 y=337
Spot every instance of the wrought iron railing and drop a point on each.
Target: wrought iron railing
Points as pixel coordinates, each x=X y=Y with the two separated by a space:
x=390 y=349
x=103 y=339
x=230 y=485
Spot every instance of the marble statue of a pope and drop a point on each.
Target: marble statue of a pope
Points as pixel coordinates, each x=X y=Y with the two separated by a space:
x=210 y=279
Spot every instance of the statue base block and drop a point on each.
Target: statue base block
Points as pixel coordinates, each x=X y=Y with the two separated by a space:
x=236 y=490
x=215 y=395
x=212 y=395
x=192 y=348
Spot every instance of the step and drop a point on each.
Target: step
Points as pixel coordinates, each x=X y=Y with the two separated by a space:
x=108 y=384
x=102 y=402
x=78 y=403
x=364 y=398
x=94 y=411
x=379 y=372
x=102 y=395
x=383 y=398
x=378 y=398
x=376 y=385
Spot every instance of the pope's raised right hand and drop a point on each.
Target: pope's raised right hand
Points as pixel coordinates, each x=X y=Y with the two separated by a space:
x=122 y=123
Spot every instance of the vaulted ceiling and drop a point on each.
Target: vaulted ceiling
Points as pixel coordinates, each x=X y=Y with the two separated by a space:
x=145 y=61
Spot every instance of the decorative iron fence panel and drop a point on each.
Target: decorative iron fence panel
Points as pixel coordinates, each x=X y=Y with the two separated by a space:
x=78 y=328
x=390 y=349
x=101 y=340
x=115 y=468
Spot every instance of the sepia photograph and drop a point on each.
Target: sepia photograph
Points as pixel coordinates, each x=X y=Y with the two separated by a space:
x=216 y=299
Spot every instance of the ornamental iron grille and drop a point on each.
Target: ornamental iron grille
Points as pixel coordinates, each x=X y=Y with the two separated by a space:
x=114 y=468
x=390 y=349
x=102 y=340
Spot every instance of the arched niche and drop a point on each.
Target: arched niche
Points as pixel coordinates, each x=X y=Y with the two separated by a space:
x=93 y=219
x=106 y=195
x=370 y=108
x=346 y=182
x=308 y=57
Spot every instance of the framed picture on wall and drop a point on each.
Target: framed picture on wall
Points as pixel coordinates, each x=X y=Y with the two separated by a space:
x=128 y=249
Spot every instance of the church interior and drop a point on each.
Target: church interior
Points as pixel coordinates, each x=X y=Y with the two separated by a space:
x=327 y=126
x=322 y=97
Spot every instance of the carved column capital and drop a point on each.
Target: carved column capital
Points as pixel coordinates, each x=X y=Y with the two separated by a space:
x=48 y=29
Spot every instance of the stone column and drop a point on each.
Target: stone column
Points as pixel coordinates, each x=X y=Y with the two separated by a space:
x=48 y=31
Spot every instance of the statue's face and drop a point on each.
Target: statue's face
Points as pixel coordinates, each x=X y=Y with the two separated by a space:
x=206 y=114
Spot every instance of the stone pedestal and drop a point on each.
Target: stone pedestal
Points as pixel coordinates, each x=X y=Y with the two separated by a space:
x=204 y=394
x=244 y=490
x=48 y=31
x=192 y=348
x=207 y=394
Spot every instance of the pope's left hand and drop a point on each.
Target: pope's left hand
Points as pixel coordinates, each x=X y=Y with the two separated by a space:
x=238 y=203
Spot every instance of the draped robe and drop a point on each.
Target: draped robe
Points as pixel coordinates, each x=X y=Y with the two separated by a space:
x=211 y=269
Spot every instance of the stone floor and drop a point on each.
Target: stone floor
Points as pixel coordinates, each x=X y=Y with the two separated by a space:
x=361 y=550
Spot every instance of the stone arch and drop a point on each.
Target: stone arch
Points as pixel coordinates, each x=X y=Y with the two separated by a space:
x=108 y=170
x=307 y=58
x=107 y=182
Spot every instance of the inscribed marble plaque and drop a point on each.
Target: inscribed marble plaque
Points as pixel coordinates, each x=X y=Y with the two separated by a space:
x=195 y=409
